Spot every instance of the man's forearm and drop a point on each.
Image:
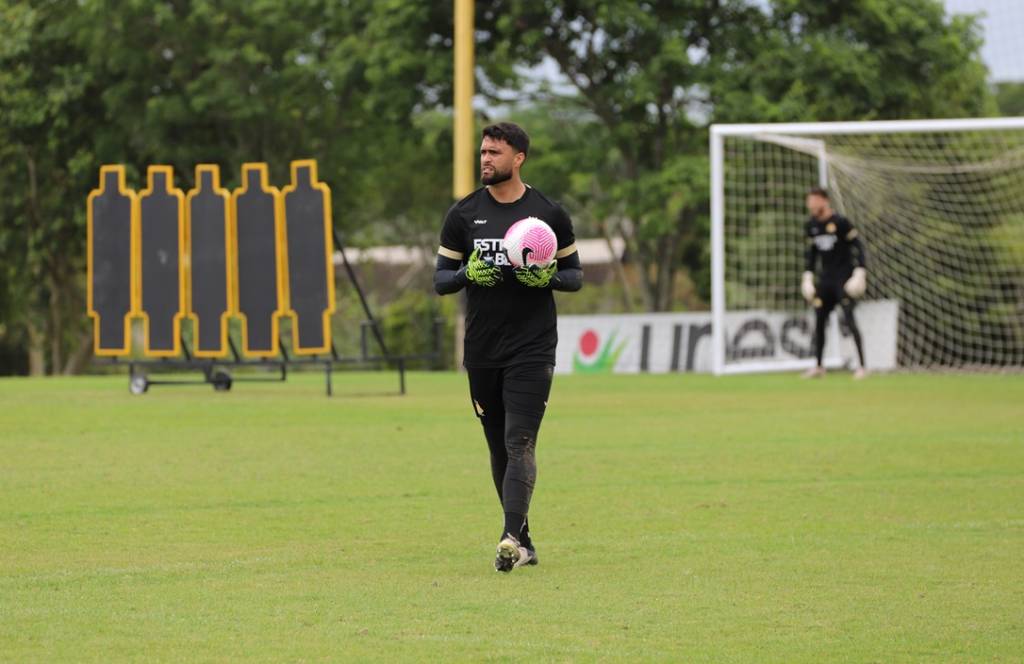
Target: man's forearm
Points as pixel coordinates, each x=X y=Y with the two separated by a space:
x=858 y=254
x=810 y=257
x=449 y=276
x=568 y=280
x=569 y=277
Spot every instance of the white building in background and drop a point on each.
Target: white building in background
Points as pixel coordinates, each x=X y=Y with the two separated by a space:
x=1003 y=24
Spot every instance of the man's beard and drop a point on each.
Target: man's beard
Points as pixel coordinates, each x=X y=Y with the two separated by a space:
x=496 y=177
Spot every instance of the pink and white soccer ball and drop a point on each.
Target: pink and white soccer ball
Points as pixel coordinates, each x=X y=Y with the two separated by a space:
x=530 y=241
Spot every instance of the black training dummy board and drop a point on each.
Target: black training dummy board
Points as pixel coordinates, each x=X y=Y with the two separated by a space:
x=258 y=273
x=208 y=229
x=161 y=268
x=111 y=222
x=310 y=273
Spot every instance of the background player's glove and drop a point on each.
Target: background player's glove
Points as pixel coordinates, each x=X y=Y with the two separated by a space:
x=536 y=276
x=807 y=286
x=857 y=284
x=482 y=271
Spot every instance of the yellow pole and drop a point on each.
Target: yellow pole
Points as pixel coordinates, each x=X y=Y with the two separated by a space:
x=463 y=162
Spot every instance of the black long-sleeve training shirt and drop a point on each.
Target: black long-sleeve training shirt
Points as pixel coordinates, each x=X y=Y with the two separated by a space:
x=508 y=323
x=836 y=245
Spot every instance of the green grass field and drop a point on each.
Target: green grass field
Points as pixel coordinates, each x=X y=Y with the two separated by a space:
x=677 y=518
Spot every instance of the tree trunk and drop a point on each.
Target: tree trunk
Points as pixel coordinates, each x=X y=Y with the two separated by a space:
x=36 y=336
x=80 y=355
x=56 y=329
x=36 y=350
x=650 y=296
x=620 y=272
x=667 y=274
x=645 y=261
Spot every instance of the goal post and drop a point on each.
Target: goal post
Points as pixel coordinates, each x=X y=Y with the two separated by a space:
x=940 y=207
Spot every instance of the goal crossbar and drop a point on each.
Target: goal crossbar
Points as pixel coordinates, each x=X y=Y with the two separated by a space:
x=870 y=126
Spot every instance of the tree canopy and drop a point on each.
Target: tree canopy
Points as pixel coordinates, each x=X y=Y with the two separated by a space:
x=364 y=86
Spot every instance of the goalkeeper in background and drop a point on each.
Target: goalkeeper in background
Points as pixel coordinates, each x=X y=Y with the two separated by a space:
x=841 y=278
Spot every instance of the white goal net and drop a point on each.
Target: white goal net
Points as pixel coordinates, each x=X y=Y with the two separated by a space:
x=939 y=205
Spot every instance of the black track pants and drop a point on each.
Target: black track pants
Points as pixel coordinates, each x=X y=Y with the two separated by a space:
x=829 y=294
x=510 y=403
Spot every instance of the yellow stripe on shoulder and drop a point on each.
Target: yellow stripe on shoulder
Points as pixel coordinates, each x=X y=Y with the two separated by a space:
x=448 y=253
x=568 y=251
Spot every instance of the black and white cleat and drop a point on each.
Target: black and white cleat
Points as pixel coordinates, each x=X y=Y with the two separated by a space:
x=508 y=555
x=527 y=557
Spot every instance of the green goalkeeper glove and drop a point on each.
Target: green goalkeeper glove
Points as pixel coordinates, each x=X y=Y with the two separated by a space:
x=482 y=271
x=536 y=276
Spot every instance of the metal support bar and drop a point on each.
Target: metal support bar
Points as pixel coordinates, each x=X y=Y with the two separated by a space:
x=359 y=290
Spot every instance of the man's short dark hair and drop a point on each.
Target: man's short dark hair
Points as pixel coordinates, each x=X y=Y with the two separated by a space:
x=818 y=191
x=511 y=133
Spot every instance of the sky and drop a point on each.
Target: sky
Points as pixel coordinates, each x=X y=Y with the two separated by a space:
x=1004 y=34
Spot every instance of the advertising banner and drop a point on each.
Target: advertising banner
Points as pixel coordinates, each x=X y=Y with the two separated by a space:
x=674 y=342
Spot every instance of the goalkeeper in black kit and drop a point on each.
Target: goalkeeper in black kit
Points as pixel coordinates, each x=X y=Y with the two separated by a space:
x=510 y=322
x=832 y=242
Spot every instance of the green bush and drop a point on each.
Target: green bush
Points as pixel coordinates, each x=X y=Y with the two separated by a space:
x=408 y=324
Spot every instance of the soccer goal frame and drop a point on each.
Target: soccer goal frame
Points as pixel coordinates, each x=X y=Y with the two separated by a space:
x=795 y=136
